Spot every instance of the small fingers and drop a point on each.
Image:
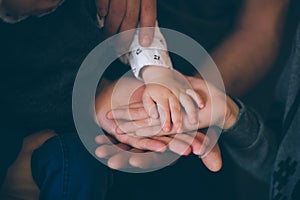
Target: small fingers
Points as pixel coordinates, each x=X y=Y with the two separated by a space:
x=164 y=114
x=175 y=114
x=189 y=107
x=196 y=97
x=150 y=106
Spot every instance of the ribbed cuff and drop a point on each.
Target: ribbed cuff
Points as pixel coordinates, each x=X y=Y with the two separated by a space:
x=245 y=132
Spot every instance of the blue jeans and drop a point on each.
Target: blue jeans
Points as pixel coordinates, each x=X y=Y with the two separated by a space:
x=64 y=170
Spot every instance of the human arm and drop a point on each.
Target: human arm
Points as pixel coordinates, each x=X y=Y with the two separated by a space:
x=252 y=46
x=250 y=142
x=246 y=137
x=166 y=90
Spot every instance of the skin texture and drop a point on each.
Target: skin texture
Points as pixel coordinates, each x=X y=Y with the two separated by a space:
x=165 y=92
x=224 y=115
x=252 y=47
x=28 y=7
x=257 y=33
x=125 y=15
x=134 y=91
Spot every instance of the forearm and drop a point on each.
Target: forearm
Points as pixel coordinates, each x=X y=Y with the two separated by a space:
x=251 y=144
x=252 y=46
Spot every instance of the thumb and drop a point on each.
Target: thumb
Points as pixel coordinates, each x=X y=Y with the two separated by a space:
x=213 y=160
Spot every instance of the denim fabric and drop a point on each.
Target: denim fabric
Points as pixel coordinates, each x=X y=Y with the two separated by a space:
x=64 y=170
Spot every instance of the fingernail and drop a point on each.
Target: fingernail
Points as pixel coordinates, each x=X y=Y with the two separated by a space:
x=146 y=40
x=103 y=12
x=109 y=115
x=166 y=129
x=119 y=131
x=201 y=106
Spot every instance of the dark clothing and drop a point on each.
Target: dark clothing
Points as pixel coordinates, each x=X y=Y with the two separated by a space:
x=40 y=58
x=39 y=61
x=207 y=22
x=270 y=151
x=64 y=169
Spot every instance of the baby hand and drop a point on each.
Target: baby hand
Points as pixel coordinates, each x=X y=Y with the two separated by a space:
x=166 y=93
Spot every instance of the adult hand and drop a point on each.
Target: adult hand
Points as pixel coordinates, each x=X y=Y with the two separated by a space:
x=130 y=91
x=182 y=144
x=19 y=183
x=104 y=103
x=123 y=157
x=125 y=15
x=219 y=110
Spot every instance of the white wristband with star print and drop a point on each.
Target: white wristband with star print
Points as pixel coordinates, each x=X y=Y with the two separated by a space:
x=156 y=54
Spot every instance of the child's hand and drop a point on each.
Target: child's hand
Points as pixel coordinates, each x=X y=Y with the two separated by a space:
x=166 y=91
x=220 y=110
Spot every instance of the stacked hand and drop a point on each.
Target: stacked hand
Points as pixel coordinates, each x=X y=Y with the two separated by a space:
x=167 y=96
x=134 y=117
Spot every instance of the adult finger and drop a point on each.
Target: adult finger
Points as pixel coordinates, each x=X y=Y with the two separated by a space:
x=147 y=19
x=105 y=139
x=200 y=143
x=151 y=131
x=142 y=143
x=213 y=160
x=131 y=17
x=177 y=146
x=132 y=105
x=114 y=17
x=121 y=160
x=196 y=143
x=153 y=160
x=133 y=126
x=106 y=151
x=129 y=22
x=102 y=7
x=128 y=114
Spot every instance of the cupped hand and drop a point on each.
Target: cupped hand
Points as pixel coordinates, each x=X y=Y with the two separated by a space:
x=125 y=156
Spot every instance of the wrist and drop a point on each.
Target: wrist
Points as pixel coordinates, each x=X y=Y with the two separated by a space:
x=153 y=74
x=232 y=113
